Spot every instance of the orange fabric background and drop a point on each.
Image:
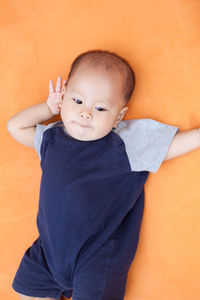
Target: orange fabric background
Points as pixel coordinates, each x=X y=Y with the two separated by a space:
x=39 y=40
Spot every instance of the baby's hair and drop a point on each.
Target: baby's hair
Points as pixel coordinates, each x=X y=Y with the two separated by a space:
x=110 y=61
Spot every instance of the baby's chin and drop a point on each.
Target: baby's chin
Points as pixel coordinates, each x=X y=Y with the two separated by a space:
x=83 y=133
x=80 y=134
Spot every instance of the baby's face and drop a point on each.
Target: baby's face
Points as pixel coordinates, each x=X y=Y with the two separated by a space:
x=92 y=104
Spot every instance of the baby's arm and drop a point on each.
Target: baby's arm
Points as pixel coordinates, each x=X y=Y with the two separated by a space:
x=22 y=126
x=183 y=142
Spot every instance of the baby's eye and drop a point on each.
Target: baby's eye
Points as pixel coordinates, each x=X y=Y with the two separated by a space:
x=74 y=99
x=101 y=109
x=79 y=102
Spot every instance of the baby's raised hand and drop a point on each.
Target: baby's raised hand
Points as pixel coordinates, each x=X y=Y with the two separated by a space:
x=54 y=100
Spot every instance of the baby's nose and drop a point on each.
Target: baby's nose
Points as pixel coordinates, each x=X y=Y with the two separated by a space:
x=86 y=115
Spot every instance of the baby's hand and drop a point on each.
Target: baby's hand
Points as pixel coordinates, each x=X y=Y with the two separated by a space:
x=54 y=100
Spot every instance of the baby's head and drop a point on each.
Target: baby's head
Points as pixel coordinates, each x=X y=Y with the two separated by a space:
x=99 y=86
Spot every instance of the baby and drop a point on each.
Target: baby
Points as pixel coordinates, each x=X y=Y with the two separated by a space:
x=94 y=167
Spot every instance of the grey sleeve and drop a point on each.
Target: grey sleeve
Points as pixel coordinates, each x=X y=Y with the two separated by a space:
x=146 y=141
x=40 y=128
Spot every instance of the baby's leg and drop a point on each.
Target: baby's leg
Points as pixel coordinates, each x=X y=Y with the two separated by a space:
x=104 y=275
x=33 y=279
x=23 y=297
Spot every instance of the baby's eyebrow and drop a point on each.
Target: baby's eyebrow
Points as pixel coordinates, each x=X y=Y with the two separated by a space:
x=76 y=91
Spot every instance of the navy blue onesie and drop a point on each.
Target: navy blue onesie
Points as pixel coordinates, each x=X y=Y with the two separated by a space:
x=90 y=210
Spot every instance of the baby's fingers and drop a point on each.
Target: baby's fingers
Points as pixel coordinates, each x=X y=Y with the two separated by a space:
x=51 y=88
x=58 y=84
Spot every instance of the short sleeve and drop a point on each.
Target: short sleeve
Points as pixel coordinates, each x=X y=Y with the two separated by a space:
x=146 y=141
x=40 y=128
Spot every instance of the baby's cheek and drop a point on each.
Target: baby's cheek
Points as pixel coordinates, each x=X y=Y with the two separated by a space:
x=66 y=110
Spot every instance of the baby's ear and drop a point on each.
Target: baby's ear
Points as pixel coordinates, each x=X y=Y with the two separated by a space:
x=63 y=89
x=62 y=95
x=123 y=111
x=64 y=86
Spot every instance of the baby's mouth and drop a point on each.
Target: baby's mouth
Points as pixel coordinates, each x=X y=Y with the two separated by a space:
x=82 y=125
